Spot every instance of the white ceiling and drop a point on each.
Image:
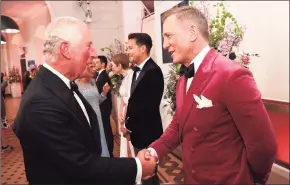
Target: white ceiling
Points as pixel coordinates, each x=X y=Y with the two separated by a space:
x=20 y=10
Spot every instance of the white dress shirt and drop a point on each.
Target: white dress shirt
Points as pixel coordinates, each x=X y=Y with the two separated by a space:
x=197 y=61
x=67 y=82
x=141 y=66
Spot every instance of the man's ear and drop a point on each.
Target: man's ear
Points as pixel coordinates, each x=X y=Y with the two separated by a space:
x=64 y=50
x=193 y=33
x=143 y=49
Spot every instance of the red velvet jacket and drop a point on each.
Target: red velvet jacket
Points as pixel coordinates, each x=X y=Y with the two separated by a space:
x=231 y=142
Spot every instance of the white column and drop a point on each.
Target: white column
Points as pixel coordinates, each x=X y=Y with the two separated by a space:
x=131 y=14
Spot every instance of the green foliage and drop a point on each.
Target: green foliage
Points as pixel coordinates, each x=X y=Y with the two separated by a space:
x=170 y=93
x=115 y=84
x=217 y=27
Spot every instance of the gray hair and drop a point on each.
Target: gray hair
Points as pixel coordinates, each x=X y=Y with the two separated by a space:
x=56 y=33
x=190 y=13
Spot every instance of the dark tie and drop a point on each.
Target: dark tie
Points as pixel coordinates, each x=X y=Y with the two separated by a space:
x=188 y=72
x=135 y=69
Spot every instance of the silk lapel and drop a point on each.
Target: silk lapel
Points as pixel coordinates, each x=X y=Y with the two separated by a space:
x=199 y=82
x=146 y=67
x=180 y=94
x=60 y=89
x=93 y=120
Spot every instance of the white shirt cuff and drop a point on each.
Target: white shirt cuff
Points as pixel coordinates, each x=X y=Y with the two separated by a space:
x=154 y=153
x=103 y=95
x=127 y=129
x=139 y=171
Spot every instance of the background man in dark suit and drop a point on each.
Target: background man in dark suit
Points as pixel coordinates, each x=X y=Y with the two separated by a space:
x=143 y=120
x=106 y=106
x=56 y=126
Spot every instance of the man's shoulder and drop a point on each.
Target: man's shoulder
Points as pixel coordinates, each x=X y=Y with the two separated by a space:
x=154 y=66
x=225 y=65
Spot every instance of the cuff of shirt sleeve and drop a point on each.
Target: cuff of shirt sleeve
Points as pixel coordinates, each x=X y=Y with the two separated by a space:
x=127 y=129
x=154 y=153
x=139 y=171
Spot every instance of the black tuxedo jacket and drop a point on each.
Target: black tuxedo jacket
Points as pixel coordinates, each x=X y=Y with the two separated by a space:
x=143 y=115
x=59 y=146
x=106 y=106
x=106 y=109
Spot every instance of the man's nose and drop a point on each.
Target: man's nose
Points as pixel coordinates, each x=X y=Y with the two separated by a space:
x=165 y=45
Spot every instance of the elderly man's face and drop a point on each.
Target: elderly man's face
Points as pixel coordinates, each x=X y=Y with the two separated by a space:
x=79 y=51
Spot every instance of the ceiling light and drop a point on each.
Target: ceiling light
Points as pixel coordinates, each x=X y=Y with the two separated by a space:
x=8 y=25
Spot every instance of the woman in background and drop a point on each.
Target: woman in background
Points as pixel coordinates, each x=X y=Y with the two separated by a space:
x=88 y=88
x=120 y=66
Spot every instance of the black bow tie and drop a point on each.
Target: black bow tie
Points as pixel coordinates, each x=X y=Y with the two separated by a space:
x=136 y=69
x=188 y=72
x=73 y=86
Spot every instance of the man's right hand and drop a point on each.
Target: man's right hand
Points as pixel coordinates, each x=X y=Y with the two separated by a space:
x=148 y=164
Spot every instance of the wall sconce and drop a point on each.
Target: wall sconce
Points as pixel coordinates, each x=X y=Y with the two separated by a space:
x=3 y=40
x=8 y=25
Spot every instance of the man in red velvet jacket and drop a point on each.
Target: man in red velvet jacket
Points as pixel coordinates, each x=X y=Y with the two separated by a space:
x=220 y=120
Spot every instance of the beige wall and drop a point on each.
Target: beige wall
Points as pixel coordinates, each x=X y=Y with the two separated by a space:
x=106 y=20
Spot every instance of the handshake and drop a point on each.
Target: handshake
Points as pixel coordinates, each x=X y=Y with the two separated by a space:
x=148 y=162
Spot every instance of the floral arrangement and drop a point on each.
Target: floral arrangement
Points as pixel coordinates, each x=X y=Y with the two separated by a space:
x=114 y=49
x=173 y=76
x=13 y=75
x=225 y=36
x=244 y=59
x=115 y=83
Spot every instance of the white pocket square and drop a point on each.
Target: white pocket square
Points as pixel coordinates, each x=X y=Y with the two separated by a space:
x=202 y=102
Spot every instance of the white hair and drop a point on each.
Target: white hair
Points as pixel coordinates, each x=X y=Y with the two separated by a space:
x=59 y=30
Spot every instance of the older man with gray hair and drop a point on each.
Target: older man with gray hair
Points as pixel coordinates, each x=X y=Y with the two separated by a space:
x=57 y=128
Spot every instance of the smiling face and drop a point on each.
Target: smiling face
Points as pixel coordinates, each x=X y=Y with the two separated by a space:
x=178 y=39
x=135 y=51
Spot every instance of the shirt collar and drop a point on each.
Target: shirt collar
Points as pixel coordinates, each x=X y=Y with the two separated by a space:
x=63 y=78
x=199 y=58
x=101 y=70
x=143 y=63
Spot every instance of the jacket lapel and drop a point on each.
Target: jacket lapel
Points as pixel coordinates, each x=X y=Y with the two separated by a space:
x=180 y=94
x=199 y=82
x=146 y=67
x=60 y=89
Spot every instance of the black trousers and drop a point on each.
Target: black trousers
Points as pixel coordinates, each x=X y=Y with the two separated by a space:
x=151 y=181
